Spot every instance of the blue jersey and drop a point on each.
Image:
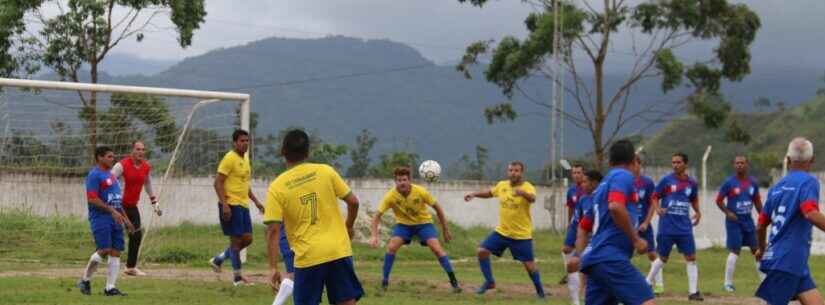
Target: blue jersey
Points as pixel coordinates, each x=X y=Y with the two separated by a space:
x=645 y=189
x=609 y=243
x=574 y=194
x=789 y=238
x=740 y=195
x=583 y=203
x=102 y=184
x=676 y=196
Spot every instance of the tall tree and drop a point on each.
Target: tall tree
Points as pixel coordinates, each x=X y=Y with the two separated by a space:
x=590 y=28
x=81 y=35
x=389 y=161
x=360 y=155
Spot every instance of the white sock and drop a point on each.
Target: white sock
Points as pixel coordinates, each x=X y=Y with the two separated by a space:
x=729 y=268
x=693 y=277
x=114 y=269
x=91 y=267
x=566 y=257
x=660 y=279
x=573 y=283
x=655 y=269
x=284 y=292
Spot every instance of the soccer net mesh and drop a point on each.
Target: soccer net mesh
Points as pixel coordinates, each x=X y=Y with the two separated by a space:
x=48 y=133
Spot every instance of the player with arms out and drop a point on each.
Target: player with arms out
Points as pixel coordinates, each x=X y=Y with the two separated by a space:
x=409 y=204
x=232 y=184
x=612 y=221
x=678 y=194
x=136 y=176
x=742 y=194
x=106 y=218
x=574 y=193
x=515 y=229
x=305 y=200
x=791 y=211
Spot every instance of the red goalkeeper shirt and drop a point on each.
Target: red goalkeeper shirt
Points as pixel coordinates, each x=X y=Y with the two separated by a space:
x=134 y=178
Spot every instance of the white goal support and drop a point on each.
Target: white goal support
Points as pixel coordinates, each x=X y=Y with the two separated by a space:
x=46 y=143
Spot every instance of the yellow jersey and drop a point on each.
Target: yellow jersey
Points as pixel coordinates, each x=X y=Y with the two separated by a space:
x=514 y=212
x=238 y=172
x=305 y=200
x=410 y=210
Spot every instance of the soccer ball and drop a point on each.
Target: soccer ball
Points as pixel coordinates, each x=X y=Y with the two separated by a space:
x=429 y=170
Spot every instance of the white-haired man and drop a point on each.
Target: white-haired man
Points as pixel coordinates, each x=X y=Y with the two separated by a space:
x=790 y=211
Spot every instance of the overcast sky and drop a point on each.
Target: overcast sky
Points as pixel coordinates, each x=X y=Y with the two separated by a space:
x=792 y=33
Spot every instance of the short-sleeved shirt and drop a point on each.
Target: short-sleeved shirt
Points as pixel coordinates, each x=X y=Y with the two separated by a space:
x=574 y=193
x=609 y=242
x=305 y=200
x=583 y=203
x=514 y=211
x=238 y=171
x=409 y=210
x=740 y=195
x=676 y=196
x=645 y=187
x=133 y=180
x=102 y=184
x=789 y=238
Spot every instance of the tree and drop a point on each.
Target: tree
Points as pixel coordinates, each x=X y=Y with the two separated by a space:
x=82 y=34
x=392 y=160
x=472 y=169
x=658 y=29
x=762 y=103
x=360 y=155
x=271 y=162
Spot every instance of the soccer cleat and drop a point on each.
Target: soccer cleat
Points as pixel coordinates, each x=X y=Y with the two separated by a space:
x=659 y=289
x=85 y=287
x=384 y=285
x=696 y=296
x=456 y=287
x=134 y=272
x=215 y=267
x=113 y=292
x=242 y=281
x=486 y=286
x=729 y=288
x=563 y=280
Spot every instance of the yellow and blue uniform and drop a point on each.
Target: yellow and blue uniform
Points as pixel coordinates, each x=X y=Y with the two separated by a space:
x=238 y=172
x=305 y=200
x=515 y=229
x=411 y=212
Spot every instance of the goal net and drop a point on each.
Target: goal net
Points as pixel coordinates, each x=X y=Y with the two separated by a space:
x=48 y=131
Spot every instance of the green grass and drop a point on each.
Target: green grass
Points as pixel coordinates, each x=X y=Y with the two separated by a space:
x=40 y=259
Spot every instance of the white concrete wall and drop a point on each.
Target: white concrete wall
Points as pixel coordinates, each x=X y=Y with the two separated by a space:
x=193 y=200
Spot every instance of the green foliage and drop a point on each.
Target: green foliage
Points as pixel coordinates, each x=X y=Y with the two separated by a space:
x=388 y=162
x=471 y=169
x=360 y=155
x=270 y=162
x=671 y=68
x=502 y=112
x=711 y=108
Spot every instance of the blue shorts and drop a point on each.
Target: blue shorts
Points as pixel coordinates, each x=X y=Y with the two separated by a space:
x=780 y=287
x=424 y=232
x=338 y=276
x=521 y=249
x=648 y=237
x=615 y=282
x=107 y=233
x=239 y=224
x=684 y=243
x=287 y=254
x=570 y=237
x=737 y=237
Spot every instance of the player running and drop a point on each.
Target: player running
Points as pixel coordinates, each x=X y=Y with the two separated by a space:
x=791 y=211
x=742 y=194
x=305 y=200
x=678 y=193
x=612 y=219
x=574 y=193
x=135 y=170
x=591 y=180
x=232 y=184
x=106 y=218
x=645 y=188
x=515 y=229
x=409 y=204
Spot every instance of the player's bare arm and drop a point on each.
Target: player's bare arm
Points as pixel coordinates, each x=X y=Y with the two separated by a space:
x=255 y=200
x=621 y=217
x=352 y=211
x=697 y=214
x=582 y=240
x=651 y=211
x=273 y=233
x=376 y=220
x=529 y=197
x=757 y=202
x=730 y=215
x=657 y=202
x=226 y=213
x=442 y=219
x=816 y=218
x=761 y=237
x=482 y=194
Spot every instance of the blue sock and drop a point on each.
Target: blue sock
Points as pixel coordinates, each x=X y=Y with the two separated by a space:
x=235 y=256
x=537 y=283
x=445 y=263
x=487 y=270
x=222 y=256
x=388 y=260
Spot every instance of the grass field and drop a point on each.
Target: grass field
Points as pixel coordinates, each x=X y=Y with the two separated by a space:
x=41 y=258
